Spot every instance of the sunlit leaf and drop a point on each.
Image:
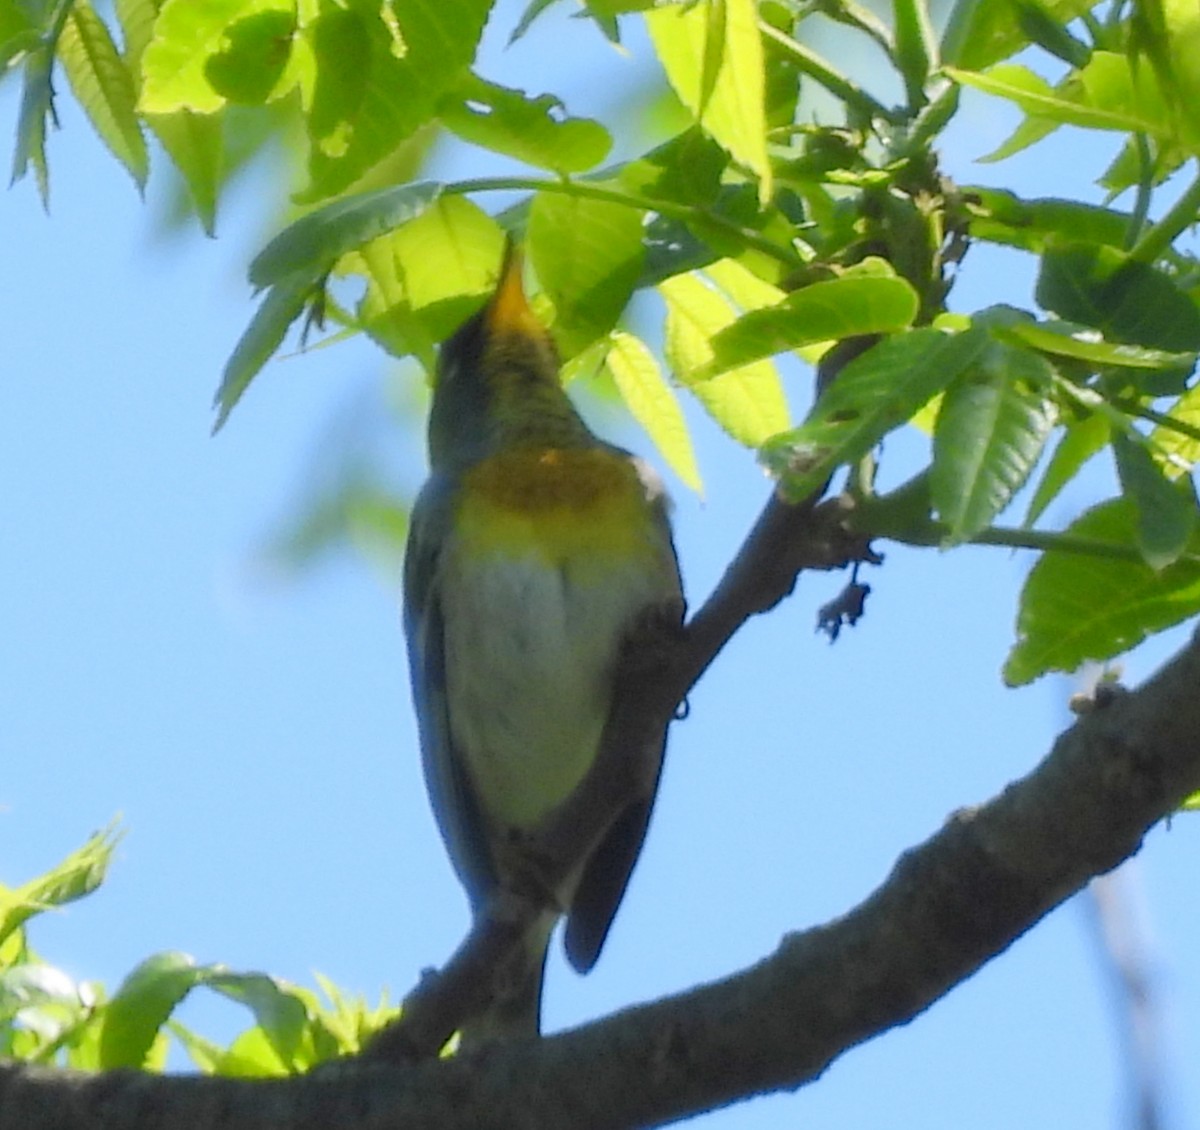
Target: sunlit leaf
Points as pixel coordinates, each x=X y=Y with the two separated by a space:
x=141 y=1005
x=194 y=144
x=418 y=51
x=734 y=111
x=427 y=275
x=252 y=66
x=341 y=46
x=1105 y=95
x=651 y=401
x=588 y=257
x=279 y=1011
x=136 y=18
x=748 y=401
x=189 y=36
x=1179 y=451
x=104 y=86
x=77 y=875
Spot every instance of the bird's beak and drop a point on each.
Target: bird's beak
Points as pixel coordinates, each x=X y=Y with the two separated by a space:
x=509 y=312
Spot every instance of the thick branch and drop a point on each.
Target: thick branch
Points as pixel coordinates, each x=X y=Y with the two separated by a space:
x=949 y=905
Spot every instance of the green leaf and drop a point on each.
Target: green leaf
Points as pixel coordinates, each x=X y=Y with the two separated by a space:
x=734 y=112
x=37 y=105
x=748 y=401
x=1168 y=31
x=872 y=395
x=427 y=276
x=1076 y=607
x=314 y=242
x=250 y=67
x=17 y=31
x=991 y=428
x=1003 y=217
x=1039 y=24
x=916 y=48
x=104 y=86
x=77 y=875
x=284 y=303
x=1166 y=509
x=686 y=169
x=141 y=1005
x=825 y=311
x=341 y=46
x=188 y=37
x=204 y=1053
x=1128 y=301
x=1177 y=450
x=194 y=144
x=982 y=32
x=419 y=50
x=588 y=257
x=1104 y=95
x=1081 y=440
x=1062 y=339
x=532 y=130
x=744 y=288
x=532 y=10
x=279 y=1010
x=137 y=19
x=652 y=403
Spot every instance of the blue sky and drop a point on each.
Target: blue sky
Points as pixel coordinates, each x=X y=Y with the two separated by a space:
x=256 y=735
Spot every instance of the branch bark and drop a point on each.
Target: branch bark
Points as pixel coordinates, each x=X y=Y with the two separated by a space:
x=949 y=905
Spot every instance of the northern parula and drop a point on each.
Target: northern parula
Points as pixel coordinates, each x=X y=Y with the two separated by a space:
x=533 y=550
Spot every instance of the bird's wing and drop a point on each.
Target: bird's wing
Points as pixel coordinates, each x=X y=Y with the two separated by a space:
x=453 y=802
x=606 y=875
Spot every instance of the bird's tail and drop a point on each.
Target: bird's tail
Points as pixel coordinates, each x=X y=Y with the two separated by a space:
x=515 y=1009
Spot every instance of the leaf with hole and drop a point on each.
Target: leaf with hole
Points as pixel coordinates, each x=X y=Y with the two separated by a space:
x=875 y=393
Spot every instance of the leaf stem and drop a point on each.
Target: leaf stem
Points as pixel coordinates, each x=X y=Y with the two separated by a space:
x=1162 y=234
x=684 y=212
x=1145 y=189
x=1162 y=419
x=932 y=533
x=811 y=64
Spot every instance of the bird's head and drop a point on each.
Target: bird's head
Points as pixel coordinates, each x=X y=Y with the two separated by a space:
x=497 y=372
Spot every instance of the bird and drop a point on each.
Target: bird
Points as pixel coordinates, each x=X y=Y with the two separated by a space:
x=535 y=548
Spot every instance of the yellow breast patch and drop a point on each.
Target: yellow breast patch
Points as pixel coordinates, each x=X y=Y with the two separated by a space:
x=559 y=502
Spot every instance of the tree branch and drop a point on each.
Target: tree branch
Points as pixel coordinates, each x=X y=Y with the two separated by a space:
x=948 y=906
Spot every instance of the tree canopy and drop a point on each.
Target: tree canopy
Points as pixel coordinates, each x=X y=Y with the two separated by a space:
x=793 y=209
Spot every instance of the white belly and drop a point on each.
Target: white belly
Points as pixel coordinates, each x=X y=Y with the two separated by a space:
x=530 y=650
